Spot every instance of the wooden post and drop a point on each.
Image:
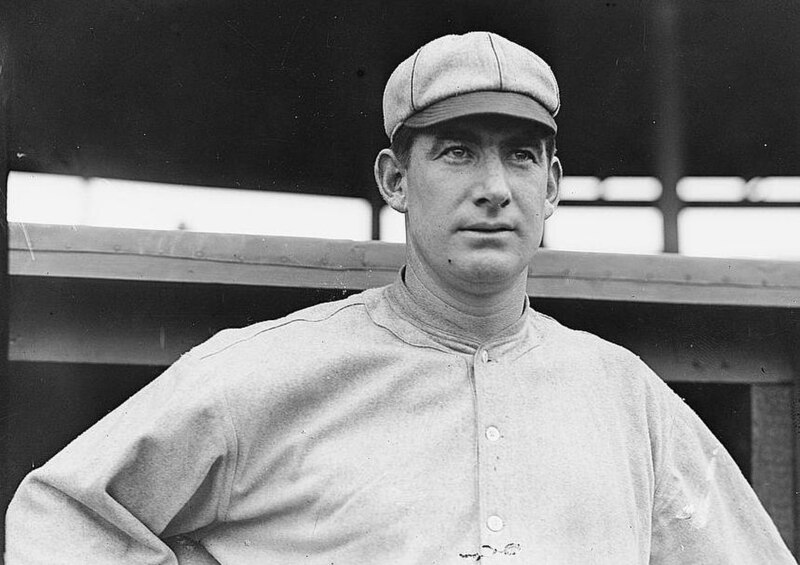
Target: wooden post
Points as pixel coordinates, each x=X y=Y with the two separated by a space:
x=669 y=117
x=5 y=92
x=376 y=203
x=793 y=333
x=773 y=444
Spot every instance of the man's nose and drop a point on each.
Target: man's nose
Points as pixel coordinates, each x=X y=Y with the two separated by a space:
x=493 y=189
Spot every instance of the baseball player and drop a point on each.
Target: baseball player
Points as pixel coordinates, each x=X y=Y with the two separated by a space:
x=439 y=419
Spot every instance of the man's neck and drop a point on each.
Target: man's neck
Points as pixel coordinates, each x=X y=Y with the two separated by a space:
x=478 y=318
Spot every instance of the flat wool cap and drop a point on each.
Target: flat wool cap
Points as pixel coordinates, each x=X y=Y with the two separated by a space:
x=475 y=73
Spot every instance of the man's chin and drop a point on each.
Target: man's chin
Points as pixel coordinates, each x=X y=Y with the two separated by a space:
x=493 y=274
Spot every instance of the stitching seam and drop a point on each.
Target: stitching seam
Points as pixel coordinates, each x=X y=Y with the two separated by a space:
x=496 y=58
x=223 y=507
x=414 y=68
x=280 y=325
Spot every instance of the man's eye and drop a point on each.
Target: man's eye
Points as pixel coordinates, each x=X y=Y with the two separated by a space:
x=523 y=155
x=457 y=152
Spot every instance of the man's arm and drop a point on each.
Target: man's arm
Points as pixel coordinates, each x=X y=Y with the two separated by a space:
x=704 y=509
x=157 y=466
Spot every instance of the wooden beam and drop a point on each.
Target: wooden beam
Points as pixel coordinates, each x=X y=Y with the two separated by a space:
x=733 y=359
x=773 y=442
x=140 y=255
x=118 y=323
x=99 y=319
x=73 y=320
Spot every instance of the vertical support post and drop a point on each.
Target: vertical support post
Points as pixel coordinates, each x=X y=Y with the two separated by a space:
x=669 y=119
x=361 y=102
x=773 y=442
x=793 y=337
x=377 y=205
x=5 y=401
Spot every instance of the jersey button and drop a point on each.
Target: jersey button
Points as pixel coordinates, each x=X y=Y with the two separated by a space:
x=492 y=433
x=484 y=356
x=495 y=523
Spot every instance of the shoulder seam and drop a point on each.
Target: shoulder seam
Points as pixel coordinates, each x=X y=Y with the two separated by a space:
x=286 y=322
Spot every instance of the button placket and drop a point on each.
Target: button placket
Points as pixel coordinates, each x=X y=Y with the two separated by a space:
x=491 y=390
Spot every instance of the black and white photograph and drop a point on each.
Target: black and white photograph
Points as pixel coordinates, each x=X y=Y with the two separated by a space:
x=374 y=282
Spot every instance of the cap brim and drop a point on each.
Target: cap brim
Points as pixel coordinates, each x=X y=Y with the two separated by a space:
x=483 y=102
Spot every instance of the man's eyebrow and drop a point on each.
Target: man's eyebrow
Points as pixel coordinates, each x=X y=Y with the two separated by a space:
x=523 y=138
x=526 y=140
x=443 y=135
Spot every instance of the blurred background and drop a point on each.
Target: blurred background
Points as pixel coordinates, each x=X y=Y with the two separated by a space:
x=679 y=128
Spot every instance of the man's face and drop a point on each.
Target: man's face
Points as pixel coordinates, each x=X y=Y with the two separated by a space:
x=477 y=192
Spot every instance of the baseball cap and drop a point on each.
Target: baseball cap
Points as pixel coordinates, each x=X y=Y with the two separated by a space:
x=475 y=73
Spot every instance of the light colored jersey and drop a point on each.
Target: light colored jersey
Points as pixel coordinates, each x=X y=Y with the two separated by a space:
x=369 y=431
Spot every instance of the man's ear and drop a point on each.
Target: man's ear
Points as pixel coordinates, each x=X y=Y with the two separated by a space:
x=553 y=187
x=390 y=174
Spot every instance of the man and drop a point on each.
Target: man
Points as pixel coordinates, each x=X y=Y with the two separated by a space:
x=437 y=420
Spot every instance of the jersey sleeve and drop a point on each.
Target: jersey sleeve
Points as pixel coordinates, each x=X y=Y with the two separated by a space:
x=161 y=464
x=704 y=509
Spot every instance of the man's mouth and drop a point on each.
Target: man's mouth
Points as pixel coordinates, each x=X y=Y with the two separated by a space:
x=488 y=227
